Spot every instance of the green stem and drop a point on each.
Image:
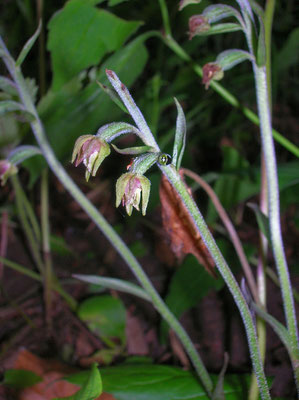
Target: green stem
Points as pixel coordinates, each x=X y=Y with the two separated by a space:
x=273 y=203
x=173 y=176
x=46 y=244
x=226 y=95
x=165 y=17
x=268 y=21
x=37 y=277
x=102 y=224
x=34 y=247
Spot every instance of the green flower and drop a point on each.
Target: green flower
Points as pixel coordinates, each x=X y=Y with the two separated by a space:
x=128 y=191
x=90 y=150
x=7 y=169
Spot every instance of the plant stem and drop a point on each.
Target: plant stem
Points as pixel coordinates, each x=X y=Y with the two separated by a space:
x=230 y=229
x=165 y=17
x=48 y=274
x=103 y=225
x=273 y=202
x=173 y=176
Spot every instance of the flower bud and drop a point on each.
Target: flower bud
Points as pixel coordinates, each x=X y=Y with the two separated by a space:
x=211 y=71
x=92 y=151
x=7 y=169
x=128 y=191
x=197 y=25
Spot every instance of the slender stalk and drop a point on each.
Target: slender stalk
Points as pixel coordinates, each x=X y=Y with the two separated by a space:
x=173 y=176
x=230 y=229
x=103 y=225
x=20 y=195
x=46 y=245
x=268 y=21
x=165 y=17
x=34 y=275
x=273 y=203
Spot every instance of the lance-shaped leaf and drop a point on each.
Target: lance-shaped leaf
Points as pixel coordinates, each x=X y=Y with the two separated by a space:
x=111 y=93
x=221 y=28
x=229 y=58
x=22 y=153
x=217 y=12
x=12 y=106
x=246 y=8
x=28 y=45
x=180 y=136
x=111 y=131
x=218 y=393
x=115 y=284
x=261 y=45
x=8 y=86
x=185 y=3
x=133 y=150
x=262 y=220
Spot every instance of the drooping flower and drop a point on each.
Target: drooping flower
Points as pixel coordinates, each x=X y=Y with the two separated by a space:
x=211 y=71
x=7 y=169
x=90 y=150
x=129 y=188
x=197 y=25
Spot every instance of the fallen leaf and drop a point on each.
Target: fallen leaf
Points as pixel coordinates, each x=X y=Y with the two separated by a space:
x=180 y=229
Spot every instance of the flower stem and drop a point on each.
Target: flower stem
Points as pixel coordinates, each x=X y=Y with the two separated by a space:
x=173 y=176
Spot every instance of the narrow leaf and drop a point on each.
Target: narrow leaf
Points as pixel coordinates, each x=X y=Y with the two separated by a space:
x=229 y=58
x=8 y=86
x=116 y=284
x=180 y=137
x=246 y=8
x=21 y=153
x=134 y=150
x=185 y=3
x=261 y=45
x=12 y=106
x=217 y=12
x=262 y=220
x=221 y=28
x=28 y=45
x=218 y=393
x=111 y=93
x=111 y=131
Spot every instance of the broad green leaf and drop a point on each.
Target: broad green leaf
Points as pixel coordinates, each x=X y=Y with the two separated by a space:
x=221 y=28
x=229 y=58
x=20 y=378
x=12 y=106
x=288 y=55
x=91 y=389
x=106 y=316
x=113 y=283
x=73 y=111
x=161 y=382
x=28 y=45
x=133 y=150
x=97 y=32
x=21 y=153
x=262 y=220
x=180 y=137
x=189 y=285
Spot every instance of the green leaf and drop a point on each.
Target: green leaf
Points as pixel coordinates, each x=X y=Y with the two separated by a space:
x=180 y=137
x=185 y=3
x=12 y=106
x=91 y=389
x=21 y=153
x=189 y=285
x=106 y=316
x=218 y=393
x=217 y=12
x=20 y=378
x=246 y=8
x=229 y=58
x=111 y=131
x=115 y=2
x=113 y=96
x=288 y=55
x=8 y=86
x=160 y=382
x=133 y=150
x=97 y=33
x=221 y=28
x=261 y=45
x=28 y=45
x=113 y=283
x=262 y=220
